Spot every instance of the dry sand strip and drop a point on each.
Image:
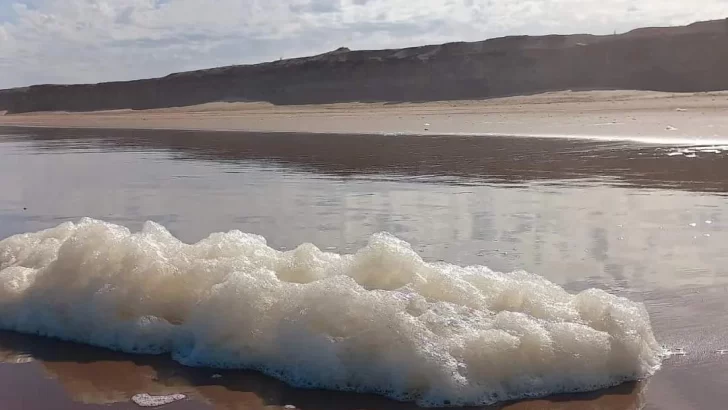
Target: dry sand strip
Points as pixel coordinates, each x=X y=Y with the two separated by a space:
x=638 y=115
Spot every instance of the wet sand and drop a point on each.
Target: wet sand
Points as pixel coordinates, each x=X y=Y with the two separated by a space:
x=629 y=218
x=599 y=114
x=68 y=376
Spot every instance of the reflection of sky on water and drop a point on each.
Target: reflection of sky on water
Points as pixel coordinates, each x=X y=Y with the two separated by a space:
x=634 y=220
x=581 y=232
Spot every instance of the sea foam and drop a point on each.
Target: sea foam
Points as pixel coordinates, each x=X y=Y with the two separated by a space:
x=382 y=320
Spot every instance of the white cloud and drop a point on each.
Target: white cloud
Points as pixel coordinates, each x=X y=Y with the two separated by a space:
x=96 y=40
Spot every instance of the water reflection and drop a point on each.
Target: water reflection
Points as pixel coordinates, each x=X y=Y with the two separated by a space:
x=636 y=220
x=335 y=191
x=450 y=159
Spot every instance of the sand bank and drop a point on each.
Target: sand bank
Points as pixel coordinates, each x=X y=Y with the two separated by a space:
x=638 y=115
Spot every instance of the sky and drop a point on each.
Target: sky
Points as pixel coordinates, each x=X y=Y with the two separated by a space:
x=81 y=41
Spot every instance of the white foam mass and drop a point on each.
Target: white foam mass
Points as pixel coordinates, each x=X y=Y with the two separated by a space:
x=381 y=320
x=147 y=400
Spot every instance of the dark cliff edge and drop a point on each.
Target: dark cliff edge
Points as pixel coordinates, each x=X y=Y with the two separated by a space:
x=691 y=58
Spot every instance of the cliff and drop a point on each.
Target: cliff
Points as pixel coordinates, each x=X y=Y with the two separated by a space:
x=692 y=58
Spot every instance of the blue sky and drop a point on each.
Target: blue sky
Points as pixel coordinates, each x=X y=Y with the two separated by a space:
x=71 y=41
x=6 y=11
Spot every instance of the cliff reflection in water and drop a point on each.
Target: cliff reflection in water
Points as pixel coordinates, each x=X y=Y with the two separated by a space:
x=451 y=159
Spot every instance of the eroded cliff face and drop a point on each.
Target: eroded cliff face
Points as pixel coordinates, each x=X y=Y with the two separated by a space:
x=677 y=59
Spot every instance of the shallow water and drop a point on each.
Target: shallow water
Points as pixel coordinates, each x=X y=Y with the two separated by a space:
x=642 y=221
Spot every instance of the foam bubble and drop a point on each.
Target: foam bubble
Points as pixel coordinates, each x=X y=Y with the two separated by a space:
x=146 y=400
x=381 y=320
x=691 y=152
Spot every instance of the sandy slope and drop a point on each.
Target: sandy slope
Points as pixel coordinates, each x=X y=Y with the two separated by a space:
x=624 y=114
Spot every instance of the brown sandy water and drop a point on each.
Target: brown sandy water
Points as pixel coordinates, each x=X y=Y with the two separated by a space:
x=644 y=221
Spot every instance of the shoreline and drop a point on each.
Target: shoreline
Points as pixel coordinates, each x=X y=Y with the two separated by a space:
x=648 y=140
x=647 y=117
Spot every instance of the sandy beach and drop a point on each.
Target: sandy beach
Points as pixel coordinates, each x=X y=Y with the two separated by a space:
x=642 y=221
x=634 y=115
x=355 y=205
